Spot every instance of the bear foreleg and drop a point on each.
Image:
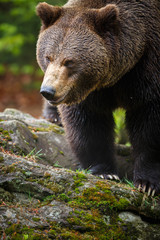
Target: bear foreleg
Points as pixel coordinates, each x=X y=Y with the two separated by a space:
x=144 y=130
x=51 y=113
x=90 y=135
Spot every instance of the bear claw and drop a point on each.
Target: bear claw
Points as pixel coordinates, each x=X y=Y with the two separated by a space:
x=109 y=177
x=151 y=192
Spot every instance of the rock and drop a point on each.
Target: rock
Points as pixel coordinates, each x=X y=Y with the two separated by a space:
x=24 y=135
x=145 y=230
x=39 y=200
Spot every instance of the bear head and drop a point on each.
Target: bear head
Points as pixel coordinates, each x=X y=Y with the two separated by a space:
x=74 y=51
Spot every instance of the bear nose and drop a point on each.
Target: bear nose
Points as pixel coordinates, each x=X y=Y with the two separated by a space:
x=47 y=92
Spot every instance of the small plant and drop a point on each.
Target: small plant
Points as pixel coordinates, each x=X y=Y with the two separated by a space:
x=29 y=197
x=35 y=155
x=56 y=164
x=130 y=183
x=25 y=236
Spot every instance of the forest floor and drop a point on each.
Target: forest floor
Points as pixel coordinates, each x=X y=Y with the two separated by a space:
x=21 y=92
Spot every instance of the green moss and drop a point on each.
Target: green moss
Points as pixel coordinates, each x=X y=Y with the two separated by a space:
x=69 y=193
x=99 y=197
x=47 y=175
x=77 y=190
x=77 y=183
x=36 y=219
x=80 y=225
x=47 y=200
x=9 y=169
x=53 y=128
x=13 y=228
x=35 y=137
x=60 y=232
x=1 y=159
x=75 y=235
x=94 y=226
x=46 y=182
x=16 y=231
x=138 y=200
x=52 y=233
x=5 y=135
x=5 y=138
x=63 y=197
x=1 y=230
x=80 y=176
x=5 y=196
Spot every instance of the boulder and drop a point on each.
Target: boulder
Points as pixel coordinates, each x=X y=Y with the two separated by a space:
x=42 y=198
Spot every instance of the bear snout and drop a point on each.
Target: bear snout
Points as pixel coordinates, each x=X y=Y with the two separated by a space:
x=47 y=92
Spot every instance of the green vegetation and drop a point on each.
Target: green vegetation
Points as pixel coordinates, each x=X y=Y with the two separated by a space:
x=120 y=127
x=99 y=197
x=19 y=28
x=93 y=213
x=130 y=183
x=34 y=154
x=53 y=128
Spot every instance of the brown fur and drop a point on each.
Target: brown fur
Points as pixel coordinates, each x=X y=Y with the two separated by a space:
x=97 y=56
x=48 y=14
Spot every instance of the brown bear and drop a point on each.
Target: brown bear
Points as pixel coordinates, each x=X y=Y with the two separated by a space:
x=97 y=56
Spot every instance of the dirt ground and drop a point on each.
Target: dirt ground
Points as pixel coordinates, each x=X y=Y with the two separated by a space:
x=21 y=92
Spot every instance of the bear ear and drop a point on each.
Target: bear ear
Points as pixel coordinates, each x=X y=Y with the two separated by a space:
x=48 y=13
x=107 y=16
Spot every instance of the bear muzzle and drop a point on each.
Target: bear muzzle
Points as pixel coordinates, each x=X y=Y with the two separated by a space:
x=56 y=87
x=47 y=92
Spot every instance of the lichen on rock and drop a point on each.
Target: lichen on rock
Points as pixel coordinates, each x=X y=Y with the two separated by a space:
x=39 y=200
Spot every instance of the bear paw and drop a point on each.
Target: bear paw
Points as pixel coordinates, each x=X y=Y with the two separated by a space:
x=53 y=118
x=105 y=172
x=147 y=177
x=51 y=114
x=145 y=186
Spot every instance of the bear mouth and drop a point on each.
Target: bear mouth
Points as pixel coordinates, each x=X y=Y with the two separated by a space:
x=58 y=100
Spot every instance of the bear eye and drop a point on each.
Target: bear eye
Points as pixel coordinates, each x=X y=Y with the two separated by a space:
x=68 y=63
x=48 y=59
